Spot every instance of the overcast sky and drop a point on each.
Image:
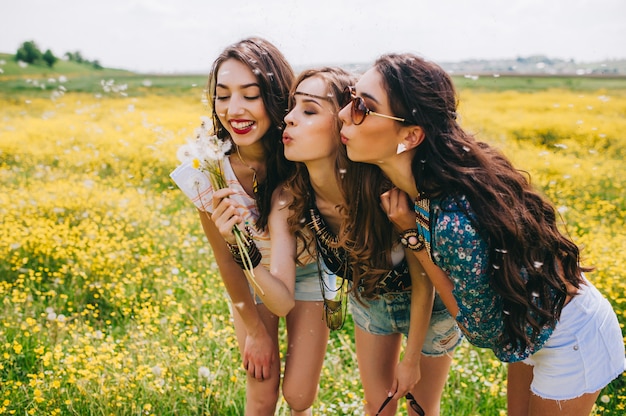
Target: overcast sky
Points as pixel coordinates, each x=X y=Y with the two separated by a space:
x=187 y=35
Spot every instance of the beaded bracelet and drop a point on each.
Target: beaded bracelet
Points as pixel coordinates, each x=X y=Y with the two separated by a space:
x=412 y=240
x=251 y=248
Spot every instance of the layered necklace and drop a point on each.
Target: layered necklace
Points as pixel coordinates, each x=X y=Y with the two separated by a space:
x=255 y=184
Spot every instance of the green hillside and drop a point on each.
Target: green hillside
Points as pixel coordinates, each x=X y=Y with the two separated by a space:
x=11 y=69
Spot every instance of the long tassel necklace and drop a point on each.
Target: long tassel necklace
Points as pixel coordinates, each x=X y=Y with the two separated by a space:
x=255 y=184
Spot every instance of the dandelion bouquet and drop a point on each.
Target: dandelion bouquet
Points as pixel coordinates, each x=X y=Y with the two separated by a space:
x=203 y=159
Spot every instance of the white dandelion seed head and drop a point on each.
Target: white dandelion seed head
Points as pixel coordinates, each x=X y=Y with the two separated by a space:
x=204 y=372
x=184 y=153
x=157 y=370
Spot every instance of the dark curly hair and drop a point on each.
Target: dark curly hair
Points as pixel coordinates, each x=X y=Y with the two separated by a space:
x=531 y=256
x=275 y=76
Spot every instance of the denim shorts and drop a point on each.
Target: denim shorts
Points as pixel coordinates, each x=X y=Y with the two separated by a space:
x=390 y=313
x=308 y=284
x=585 y=351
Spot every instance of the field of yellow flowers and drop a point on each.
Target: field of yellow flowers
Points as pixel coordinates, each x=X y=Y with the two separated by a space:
x=111 y=304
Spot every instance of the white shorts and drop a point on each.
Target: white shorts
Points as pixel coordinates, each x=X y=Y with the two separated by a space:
x=585 y=351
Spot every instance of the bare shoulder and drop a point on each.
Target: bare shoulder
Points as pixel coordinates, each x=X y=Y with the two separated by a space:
x=282 y=197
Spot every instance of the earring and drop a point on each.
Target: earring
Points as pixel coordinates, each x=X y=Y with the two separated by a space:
x=401 y=148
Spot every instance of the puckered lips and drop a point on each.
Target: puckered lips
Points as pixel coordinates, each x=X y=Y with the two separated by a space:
x=287 y=139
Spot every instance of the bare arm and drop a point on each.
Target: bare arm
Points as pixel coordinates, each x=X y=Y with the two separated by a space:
x=403 y=217
x=275 y=287
x=422 y=297
x=259 y=348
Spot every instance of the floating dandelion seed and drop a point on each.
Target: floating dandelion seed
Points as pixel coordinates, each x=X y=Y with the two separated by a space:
x=506 y=312
x=466 y=148
x=537 y=264
x=501 y=251
x=535 y=294
x=496 y=266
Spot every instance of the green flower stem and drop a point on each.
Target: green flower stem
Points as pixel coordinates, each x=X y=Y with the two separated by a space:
x=216 y=176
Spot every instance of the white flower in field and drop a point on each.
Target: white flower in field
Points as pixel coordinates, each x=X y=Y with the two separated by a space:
x=605 y=399
x=61 y=318
x=204 y=372
x=157 y=371
x=146 y=83
x=22 y=64
x=62 y=78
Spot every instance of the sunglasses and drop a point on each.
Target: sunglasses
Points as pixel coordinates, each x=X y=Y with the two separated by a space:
x=413 y=404
x=359 y=110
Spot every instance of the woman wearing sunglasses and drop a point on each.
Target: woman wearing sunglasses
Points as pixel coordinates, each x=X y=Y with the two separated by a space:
x=504 y=270
x=248 y=91
x=389 y=296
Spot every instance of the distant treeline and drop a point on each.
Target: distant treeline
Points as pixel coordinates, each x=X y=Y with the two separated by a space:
x=30 y=53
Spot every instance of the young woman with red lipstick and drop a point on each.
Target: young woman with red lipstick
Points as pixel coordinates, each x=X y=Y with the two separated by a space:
x=389 y=297
x=248 y=92
x=490 y=242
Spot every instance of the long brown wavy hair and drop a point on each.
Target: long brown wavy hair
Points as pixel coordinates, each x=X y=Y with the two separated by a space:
x=366 y=232
x=275 y=76
x=529 y=257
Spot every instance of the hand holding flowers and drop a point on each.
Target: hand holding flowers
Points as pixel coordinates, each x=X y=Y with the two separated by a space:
x=206 y=153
